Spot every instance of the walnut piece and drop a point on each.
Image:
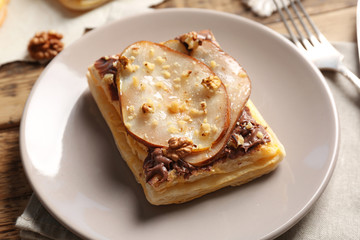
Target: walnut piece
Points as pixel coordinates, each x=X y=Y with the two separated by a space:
x=45 y=45
x=236 y=140
x=211 y=83
x=186 y=74
x=147 y=108
x=179 y=147
x=191 y=39
x=174 y=107
x=126 y=64
x=205 y=129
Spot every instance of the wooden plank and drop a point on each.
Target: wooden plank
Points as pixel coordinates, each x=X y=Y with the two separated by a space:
x=231 y=5
x=13 y=183
x=313 y=7
x=15 y=189
x=16 y=81
x=10 y=209
x=336 y=26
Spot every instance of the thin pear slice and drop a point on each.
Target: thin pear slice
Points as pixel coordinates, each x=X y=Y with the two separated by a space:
x=176 y=45
x=164 y=94
x=238 y=87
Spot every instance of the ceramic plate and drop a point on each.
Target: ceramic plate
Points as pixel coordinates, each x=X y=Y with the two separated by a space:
x=75 y=169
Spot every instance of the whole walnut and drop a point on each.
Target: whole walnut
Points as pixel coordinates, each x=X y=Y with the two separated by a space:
x=179 y=147
x=45 y=45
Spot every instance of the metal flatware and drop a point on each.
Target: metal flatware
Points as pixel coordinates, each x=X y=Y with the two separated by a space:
x=312 y=42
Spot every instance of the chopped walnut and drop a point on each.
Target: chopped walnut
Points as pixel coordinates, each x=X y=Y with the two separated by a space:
x=191 y=39
x=166 y=67
x=108 y=78
x=147 y=108
x=152 y=52
x=45 y=45
x=249 y=126
x=259 y=135
x=195 y=112
x=160 y=60
x=236 y=140
x=203 y=106
x=213 y=64
x=162 y=86
x=155 y=122
x=174 y=107
x=242 y=74
x=179 y=147
x=173 y=129
x=211 y=82
x=135 y=81
x=124 y=61
x=149 y=66
x=126 y=64
x=186 y=74
x=166 y=74
x=205 y=129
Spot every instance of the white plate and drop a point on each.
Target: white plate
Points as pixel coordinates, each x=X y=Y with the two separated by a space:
x=77 y=172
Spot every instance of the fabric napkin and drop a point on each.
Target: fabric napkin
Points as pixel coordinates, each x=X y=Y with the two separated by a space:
x=336 y=215
x=264 y=8
x=25 y=18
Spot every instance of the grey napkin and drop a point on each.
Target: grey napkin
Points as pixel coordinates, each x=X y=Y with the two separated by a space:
x=37 y=224
x=336 y=215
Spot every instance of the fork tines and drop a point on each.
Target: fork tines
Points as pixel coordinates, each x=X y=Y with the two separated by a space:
x=312 y=39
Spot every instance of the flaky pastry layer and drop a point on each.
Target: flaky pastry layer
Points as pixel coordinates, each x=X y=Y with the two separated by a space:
x=178 y=189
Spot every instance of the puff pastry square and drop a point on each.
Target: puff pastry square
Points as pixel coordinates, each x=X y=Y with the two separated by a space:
x=181 y=117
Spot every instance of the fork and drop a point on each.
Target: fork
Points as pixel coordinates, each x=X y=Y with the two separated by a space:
x=314 y=45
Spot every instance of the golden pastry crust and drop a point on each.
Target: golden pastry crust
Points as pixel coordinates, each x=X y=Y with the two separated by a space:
x=3 y=10
x=82 y=5
x=263 y=159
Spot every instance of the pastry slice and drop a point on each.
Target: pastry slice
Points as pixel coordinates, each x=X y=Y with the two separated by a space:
x=82 y=5
x=181 y=117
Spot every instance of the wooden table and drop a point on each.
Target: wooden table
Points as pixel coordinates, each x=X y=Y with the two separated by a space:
x=335 y=18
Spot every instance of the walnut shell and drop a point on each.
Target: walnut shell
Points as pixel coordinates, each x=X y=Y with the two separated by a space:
x=45 y=45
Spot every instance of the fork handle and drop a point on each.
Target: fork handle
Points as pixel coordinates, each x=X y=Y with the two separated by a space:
x=349 y=75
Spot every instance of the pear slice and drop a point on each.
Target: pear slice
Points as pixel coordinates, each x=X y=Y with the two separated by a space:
x=176 y=45
x=165 y=94
x=238 y=88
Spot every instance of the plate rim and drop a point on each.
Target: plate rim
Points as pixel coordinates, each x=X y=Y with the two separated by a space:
x=273 y=234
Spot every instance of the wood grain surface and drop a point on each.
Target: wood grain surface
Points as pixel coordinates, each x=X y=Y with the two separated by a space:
x=336 y=20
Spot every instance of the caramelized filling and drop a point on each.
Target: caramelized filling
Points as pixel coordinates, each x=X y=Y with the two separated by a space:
x=251 y=134
x=107 y=65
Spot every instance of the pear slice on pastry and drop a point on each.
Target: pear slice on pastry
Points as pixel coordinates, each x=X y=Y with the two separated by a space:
x=176 y=45
x=165 y=94
x=235 y=79
x=231 y=74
